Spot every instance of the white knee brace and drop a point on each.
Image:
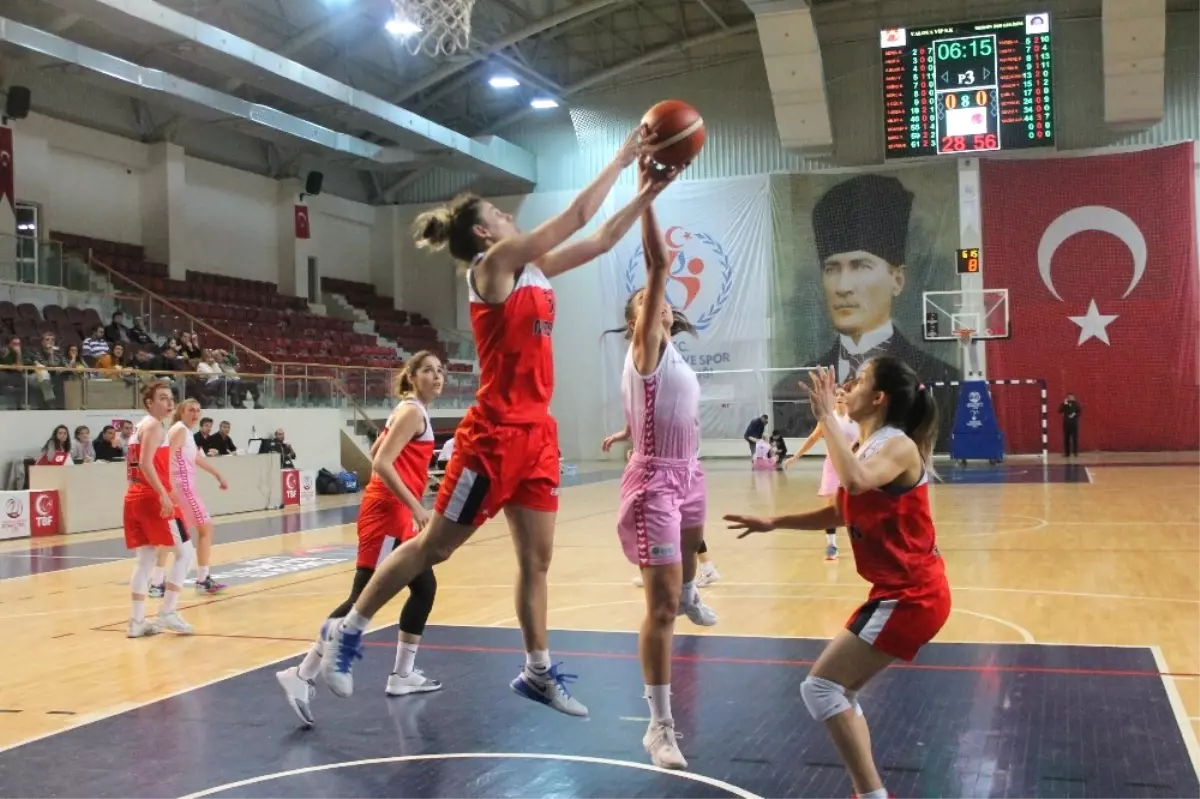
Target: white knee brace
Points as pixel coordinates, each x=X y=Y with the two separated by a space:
x=825 y=698
x=184 y=552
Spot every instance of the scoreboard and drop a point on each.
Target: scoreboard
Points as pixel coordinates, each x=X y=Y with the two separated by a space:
x=968 y=88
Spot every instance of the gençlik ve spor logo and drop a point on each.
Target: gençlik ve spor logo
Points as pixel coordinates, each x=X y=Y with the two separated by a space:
x=701 y=277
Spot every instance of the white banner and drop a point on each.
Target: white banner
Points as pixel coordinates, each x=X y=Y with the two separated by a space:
x=29 y=513
x=718 y=236
x=308 y=486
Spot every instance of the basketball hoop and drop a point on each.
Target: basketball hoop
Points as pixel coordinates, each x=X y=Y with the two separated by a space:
x=964 y=335
x=435 y=27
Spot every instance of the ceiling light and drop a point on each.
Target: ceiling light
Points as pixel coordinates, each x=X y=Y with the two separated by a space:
x=401 y=27
x=543 y=102
x=504 y=82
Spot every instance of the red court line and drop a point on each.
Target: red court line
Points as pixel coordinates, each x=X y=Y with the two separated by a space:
x=498 y=650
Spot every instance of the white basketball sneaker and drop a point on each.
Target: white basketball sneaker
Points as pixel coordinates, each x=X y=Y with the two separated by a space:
x=174 y=622
x=661 y=743
x=299 y=692
x=415 y=682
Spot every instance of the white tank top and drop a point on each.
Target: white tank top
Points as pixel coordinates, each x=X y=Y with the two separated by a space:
x=849 y=428
x=662 y=409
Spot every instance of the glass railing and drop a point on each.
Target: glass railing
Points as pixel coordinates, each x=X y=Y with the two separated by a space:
x=371 y=387
x=24 y=259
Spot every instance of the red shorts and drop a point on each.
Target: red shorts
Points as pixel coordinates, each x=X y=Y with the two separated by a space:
x=378 y=518
x=899 y=627
x=494 y=465
x=145 y=526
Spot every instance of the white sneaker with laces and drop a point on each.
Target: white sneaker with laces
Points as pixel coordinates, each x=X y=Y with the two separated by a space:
x=707 y=575
x=699 y=613
x=661 y=743
x=415 y=682
x=300 y=693
x=140 y=629
x=550 y=690
x=174 y=622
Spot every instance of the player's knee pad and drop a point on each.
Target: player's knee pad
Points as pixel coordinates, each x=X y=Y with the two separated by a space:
x=184 y=552
x=823 y=698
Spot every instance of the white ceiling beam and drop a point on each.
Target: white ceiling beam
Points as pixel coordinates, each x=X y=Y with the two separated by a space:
x=712 y=12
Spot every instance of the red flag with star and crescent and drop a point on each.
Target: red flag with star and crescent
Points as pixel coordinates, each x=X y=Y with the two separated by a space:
x=1099 y=256
x=303 y=229
x=7 y=171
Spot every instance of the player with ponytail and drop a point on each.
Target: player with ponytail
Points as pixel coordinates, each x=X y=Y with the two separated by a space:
x=884 y=503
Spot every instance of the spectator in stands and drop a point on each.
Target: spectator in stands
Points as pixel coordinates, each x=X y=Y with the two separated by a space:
x=74 y=360
x=203 y=435
x=139 y=335
x=45 y=358
x=190 y=343
x=108 y=445
x=287 y=455
x=173 y=343
x=57 y=451
x=82 y=450
x=114 y=365
x=24 y=382
x=95 y=345
x=126 y=431
x=222 y=442
x=116 y=332
x=237 y=387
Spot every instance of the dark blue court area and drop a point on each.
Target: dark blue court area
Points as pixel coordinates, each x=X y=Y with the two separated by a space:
x=964 y=720
x=1033 y=472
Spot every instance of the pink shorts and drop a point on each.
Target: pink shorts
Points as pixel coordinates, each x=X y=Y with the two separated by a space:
x=191 y=508
x=659 y=499
x=829 y=480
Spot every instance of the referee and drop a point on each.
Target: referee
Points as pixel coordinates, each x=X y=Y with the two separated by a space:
x=1071 y=410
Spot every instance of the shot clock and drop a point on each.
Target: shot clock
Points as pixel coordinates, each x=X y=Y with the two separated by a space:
x=968 y=261
x=968 y=88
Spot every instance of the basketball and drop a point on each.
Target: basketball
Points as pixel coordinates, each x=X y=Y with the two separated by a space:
x=680 y=131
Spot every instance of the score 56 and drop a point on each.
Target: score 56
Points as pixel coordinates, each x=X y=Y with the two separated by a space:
x=968 y=261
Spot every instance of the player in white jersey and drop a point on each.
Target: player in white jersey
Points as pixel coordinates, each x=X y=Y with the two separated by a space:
x=661 y=518
x=185 y=492
x=828 y=489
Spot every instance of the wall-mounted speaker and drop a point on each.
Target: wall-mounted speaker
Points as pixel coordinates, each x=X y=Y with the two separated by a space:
x=312 y=184
x=17 y=104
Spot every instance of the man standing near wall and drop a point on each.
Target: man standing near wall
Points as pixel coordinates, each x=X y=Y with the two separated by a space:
x=1071 y=410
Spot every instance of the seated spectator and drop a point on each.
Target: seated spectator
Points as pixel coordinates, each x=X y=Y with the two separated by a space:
x=237 y=387
x=190 y=346
x=82 y=450
x=45 y=358
x=138 y=334
x=22 y=381
x=214 y=386
x=114 y=365
x=287 y=455
x=116 y=332
x=203 y=434
x=123 y=434
x=108 y=445
x=57 y=451
x=95 y=345
x=222 y=442
x=74 y=361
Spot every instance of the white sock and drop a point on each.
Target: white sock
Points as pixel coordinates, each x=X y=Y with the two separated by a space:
x=406 y=656
x=537 y=661
x=689 y=596
x=831 y=539
x=878 y=794
x=311 y=665
x=156 y=576
x=201 y=573
x=170 y=602
x=659 y=699
x=139 y=610
x=355 y=622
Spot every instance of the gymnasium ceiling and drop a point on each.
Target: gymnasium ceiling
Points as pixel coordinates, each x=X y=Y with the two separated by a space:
x=556 y=48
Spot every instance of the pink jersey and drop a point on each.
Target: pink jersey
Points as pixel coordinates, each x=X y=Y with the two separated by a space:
x=662 y=409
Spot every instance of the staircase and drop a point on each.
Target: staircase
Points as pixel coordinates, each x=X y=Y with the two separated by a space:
x=338 y=306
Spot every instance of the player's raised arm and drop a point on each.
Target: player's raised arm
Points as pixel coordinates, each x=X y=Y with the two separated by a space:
x=648 y=330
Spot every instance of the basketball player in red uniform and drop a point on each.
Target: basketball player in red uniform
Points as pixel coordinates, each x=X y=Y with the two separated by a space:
x=506 y=448
x=884 y=503
x=391 y=507
x=150 y=516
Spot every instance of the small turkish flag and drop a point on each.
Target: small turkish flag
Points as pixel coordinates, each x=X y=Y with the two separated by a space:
x=6 y=165
x=303 y=231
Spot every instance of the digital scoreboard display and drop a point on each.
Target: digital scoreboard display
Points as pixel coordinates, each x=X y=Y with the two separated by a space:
x=968 y=88
x=968 y=261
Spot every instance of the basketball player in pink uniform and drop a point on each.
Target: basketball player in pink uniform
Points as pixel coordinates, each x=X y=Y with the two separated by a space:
x=884 y=503
x=150 y=520
x=661 y=518
x=829 y=479
x=506 y=448
x=186 y=457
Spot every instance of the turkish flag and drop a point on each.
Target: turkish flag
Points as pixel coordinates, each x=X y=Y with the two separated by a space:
x=7 y=171
x=1099 y=258
x=303 y=231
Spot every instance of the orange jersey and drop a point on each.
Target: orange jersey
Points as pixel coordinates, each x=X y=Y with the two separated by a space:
x=516 y=356
x=412 y=464
x=133 y=456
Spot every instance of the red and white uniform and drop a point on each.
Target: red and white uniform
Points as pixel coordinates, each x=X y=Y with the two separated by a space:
x=506 y=448
x=895 y=550
x=382 y=513
x=144 y=524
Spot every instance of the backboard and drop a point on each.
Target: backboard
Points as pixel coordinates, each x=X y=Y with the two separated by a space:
x=984 y=311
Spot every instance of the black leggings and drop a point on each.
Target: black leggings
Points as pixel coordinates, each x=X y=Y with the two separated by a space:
x=417 y=607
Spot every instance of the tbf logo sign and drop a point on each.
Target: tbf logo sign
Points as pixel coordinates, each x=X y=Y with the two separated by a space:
x=291 y=487
x=28 y=513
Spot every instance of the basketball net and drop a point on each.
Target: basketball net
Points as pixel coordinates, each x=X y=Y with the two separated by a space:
x=445 y=25
x=966 y=339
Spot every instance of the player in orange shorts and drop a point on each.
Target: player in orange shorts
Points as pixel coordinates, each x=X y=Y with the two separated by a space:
x=391 y=507
x=150 y=516
x=506 y=448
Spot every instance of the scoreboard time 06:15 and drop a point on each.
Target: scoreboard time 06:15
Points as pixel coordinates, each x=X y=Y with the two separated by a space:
x=968 y=88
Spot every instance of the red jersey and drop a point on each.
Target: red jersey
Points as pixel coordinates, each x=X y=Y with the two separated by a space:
x=516 y=357
x=412 y=464
x=895 y=546
x=133 y=455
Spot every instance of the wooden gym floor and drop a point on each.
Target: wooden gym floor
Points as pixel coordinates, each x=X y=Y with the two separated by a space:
x=1101 y=553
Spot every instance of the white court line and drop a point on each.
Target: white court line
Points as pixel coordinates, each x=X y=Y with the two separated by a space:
x=34 y=554
x=602 y=761
x=1177 y=707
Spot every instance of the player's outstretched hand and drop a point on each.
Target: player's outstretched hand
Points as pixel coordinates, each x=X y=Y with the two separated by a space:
x=822 y=392
x=607 y=443
x=653 y=177
x=750 y=524
x=634 y=147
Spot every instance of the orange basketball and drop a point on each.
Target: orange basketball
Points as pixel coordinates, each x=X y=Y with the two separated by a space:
x=679 y=129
